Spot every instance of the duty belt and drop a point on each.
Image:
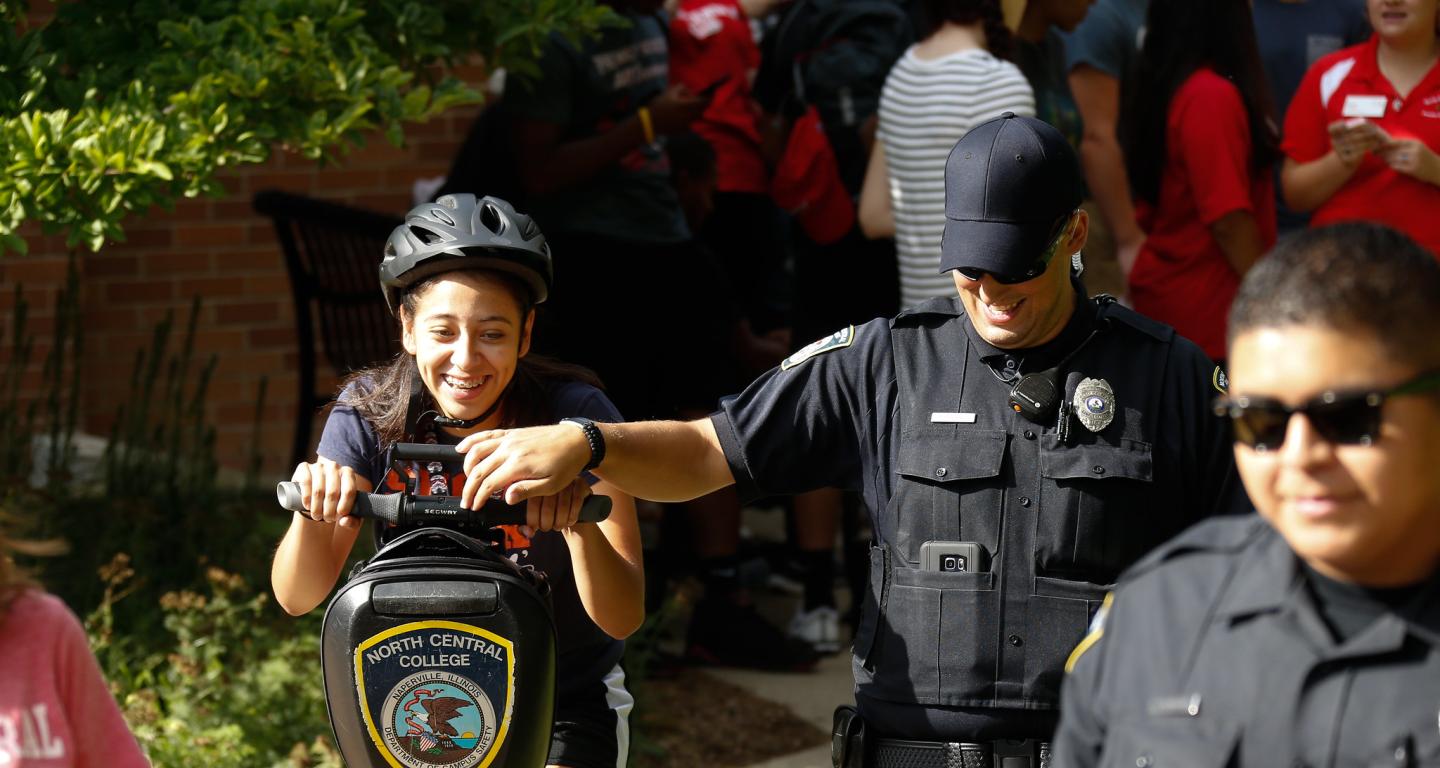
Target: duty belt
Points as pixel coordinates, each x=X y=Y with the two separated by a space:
x=903 y=753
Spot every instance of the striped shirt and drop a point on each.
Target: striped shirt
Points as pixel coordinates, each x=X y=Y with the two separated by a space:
x=926 y=106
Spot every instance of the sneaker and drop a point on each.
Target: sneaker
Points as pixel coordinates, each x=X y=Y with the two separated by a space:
x=819 y=627
x=726 y=634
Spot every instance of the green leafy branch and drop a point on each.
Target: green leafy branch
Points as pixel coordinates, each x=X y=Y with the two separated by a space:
x=114 y=106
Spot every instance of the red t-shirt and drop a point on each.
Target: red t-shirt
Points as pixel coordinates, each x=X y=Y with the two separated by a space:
x=55 y=709
x=1181 y=276
x=711 y=40
x=1375 y=192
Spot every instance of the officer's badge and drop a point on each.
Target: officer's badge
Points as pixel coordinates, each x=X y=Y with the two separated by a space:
x=436 y=693
x=1220 y=381
x=837 y=340
x=1094 y=404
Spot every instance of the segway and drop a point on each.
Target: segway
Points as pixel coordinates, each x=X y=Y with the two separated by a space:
x=439 y=650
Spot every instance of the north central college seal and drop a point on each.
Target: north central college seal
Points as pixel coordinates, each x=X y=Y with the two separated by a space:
x=438 y=718
x=436 y=693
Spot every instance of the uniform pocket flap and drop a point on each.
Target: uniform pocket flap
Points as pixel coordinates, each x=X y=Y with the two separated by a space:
x=1129 y=460
x=946 y=454
x=1193 y=742
x=1076 y=590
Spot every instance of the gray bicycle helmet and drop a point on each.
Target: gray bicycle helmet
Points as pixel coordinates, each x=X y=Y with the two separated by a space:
x=460 y=232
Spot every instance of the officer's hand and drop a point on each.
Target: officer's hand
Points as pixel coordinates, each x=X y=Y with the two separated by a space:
x=327 y=491
x=674 y=110
x=553 y=513
x=524 y=463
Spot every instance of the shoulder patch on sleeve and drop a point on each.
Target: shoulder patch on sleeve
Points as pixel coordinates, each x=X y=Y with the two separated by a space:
x=1220 y=381
x=837 y=340
x=1096 y=631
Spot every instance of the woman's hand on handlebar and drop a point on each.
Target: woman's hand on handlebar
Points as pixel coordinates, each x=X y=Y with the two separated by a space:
x=553 y=513
x=328 y=492
x=524 y=463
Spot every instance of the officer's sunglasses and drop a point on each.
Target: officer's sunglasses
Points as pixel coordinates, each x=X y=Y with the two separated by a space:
x=1341 y=418
x=1037 y=269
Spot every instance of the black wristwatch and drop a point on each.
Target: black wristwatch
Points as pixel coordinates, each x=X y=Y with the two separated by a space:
x=594 y=436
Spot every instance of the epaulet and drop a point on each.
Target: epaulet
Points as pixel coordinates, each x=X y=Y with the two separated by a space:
x=1216 y=535
x=940 y=305
x=1154 y=328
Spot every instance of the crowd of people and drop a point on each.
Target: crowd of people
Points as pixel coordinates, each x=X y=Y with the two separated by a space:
x=1160 y=118
x=704 y=211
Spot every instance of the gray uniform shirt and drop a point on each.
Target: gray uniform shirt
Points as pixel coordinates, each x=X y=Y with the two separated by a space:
x=1212 y=653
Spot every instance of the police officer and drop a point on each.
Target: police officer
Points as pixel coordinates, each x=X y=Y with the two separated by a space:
x=1308 y=635
x=1018 y=445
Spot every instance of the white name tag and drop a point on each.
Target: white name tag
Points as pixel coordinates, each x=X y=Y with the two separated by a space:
x=941 y=417
x=1363 y=106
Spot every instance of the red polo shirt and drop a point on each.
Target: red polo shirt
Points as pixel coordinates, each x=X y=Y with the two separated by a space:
x=710 y=40
x=1181 y=276
x=1375 y=192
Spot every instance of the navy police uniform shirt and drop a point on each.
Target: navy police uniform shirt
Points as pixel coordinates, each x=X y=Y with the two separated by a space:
x=1213 y=652
x=913 y=413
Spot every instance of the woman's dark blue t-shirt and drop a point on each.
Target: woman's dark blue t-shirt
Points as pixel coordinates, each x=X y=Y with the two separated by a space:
x=586 y=652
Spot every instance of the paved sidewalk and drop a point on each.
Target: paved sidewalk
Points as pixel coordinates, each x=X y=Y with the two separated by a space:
x=811 y=696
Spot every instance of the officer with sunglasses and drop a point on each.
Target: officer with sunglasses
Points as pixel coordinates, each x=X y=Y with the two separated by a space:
x=1308 y=635
x=1018 y=447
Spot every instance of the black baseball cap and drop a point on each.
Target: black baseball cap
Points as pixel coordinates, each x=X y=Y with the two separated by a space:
x=1007 y=183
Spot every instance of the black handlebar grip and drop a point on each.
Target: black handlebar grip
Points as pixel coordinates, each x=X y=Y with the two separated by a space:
x=427 y=452
x=595 y=509
x=496 y=512
x=387 y=506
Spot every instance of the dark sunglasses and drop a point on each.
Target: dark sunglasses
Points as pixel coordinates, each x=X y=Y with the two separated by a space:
x=1341 y=418
x=1037 y=269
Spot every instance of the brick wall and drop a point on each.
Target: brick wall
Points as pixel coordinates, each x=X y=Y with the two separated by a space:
x=222 y=251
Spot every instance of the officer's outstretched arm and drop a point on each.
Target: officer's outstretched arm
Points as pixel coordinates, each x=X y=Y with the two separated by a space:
x=1081 y=735
x=657 y=460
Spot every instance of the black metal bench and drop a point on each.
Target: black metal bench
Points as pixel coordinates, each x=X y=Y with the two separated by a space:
x=332 y=252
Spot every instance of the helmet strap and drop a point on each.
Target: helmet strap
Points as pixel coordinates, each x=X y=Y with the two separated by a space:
x=415 y=410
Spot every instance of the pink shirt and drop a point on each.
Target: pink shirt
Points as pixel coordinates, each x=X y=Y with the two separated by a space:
x=55 y=709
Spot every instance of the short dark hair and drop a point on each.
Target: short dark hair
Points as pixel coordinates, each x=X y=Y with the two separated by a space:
x=1353 y=277
x=998 y=38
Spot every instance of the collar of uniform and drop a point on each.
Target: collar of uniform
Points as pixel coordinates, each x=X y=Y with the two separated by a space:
x=1272 y=581
x=1266 y=581
x=1081 y=321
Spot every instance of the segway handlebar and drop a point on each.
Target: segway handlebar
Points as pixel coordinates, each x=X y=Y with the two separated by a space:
x=413 y=511
x=426 y=452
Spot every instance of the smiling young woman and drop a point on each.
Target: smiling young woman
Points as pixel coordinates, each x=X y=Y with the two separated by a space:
x=463 y=276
